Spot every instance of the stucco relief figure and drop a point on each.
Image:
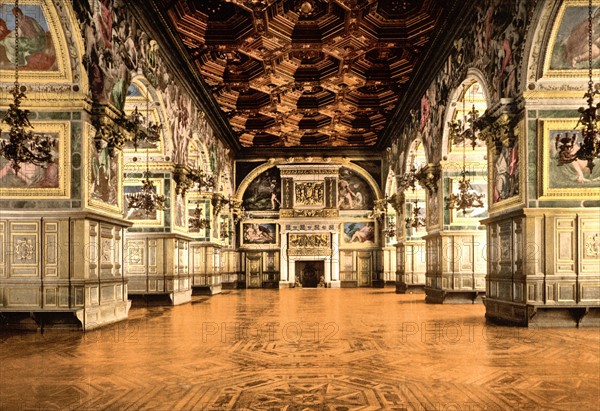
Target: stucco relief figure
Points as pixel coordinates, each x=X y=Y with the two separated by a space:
x=506 y=173
x=432 y=209
x=104 y=176
x=179 y=211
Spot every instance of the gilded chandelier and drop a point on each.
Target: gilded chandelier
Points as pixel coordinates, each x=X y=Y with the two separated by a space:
x=569 y=149
x=197 y=221
x=23 y=145
x=417 y=219
x=390 y=229
x=467 y=197
x=147 y=199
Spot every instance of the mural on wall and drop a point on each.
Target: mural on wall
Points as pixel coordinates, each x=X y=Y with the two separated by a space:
x=104 y=176
x=354 y=193
x=31 y=176
x=505 y=173
x=499 y=36
x=492 y=45
x=117 y=49
x=567 y=171
x=264 y=192
x=253 y=233
x=137 y=99
x=373 y=167
x=359 y=232
x=36 y=47
x=570 y=50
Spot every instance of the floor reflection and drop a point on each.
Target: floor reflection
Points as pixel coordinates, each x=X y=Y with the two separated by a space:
x=303 y=349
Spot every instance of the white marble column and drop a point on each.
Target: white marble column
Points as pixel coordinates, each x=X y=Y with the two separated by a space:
x=286 y=272
x=335 y=261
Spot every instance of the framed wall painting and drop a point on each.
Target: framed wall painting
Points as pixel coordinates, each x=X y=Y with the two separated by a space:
x=567 y=177
x=258 y=233
x=567 y=51
x=358 y=233
x=32 y=181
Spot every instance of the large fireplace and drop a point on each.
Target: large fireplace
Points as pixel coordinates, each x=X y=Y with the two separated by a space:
x=310 y=274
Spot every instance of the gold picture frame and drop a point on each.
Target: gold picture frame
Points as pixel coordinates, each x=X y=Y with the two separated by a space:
x=36 y=182
x=567 y=181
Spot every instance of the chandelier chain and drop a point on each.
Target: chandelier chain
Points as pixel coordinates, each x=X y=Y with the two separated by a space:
x=590 y=60
x=17 y=88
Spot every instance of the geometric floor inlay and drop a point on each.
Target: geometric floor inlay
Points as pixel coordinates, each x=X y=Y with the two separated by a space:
x=300 y=349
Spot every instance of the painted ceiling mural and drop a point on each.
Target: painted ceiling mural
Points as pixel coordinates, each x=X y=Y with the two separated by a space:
x=116 y=49
x=306 y=72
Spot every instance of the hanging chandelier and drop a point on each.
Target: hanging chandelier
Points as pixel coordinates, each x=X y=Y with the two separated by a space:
x=466 y=129
x=197 y=221
x=568 y=147
x=224 y=232
x=390 y=229
x=23 y=145
x=415 y=219
x=148 y=132
x=467 y=197
x=409 y=180
x=147 y=199
x=205 y=181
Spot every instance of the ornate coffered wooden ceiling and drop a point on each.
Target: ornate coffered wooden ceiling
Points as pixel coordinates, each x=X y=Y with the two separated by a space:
x=307 y=73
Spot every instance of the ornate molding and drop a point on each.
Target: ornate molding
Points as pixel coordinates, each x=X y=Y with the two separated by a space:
x=309 y=193
x=499 y=125
x=287 y=213
x=428 y=176
x=182 y=182
x=397 y=201
x=311 y=241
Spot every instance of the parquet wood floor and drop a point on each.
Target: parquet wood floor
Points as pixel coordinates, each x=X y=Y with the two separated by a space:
x=303 y=349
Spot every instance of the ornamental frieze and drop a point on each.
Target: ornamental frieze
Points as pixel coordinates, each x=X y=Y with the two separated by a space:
x=286 y=213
